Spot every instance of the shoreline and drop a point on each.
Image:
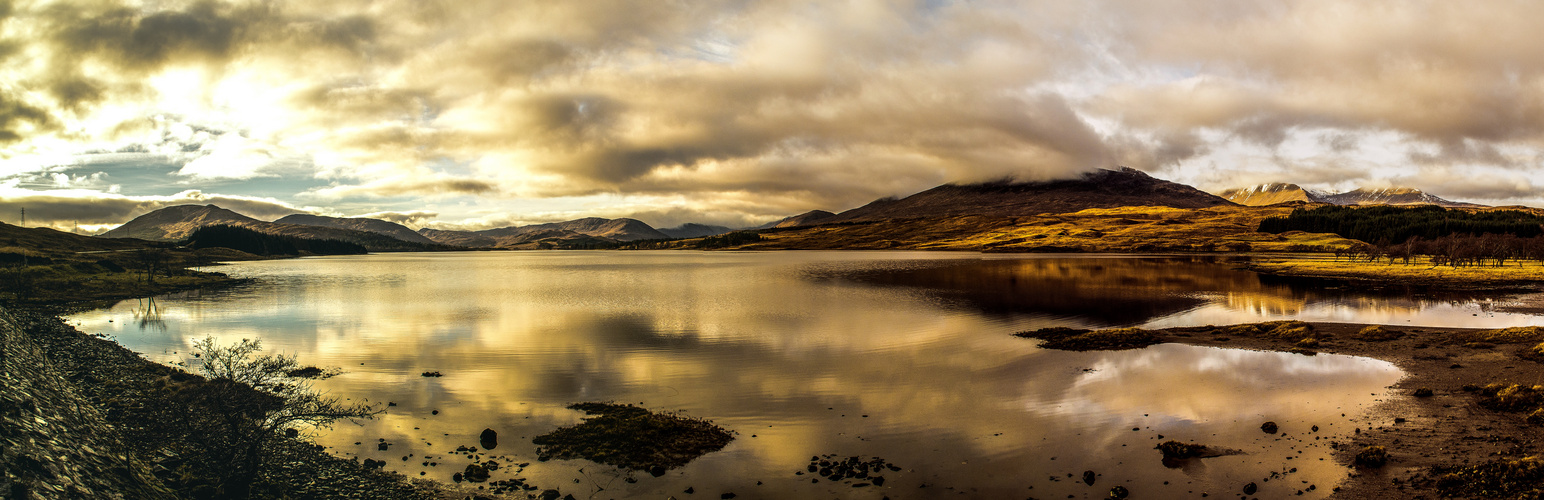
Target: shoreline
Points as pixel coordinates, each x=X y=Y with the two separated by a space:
x=1424 y=436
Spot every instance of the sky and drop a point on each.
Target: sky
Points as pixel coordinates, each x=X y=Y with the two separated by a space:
x=472 y=114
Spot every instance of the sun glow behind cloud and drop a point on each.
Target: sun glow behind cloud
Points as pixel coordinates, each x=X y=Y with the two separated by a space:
x=735 y=112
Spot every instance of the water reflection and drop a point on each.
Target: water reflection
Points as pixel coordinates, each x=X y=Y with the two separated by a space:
x=802 y=353
x=1112 y=291
x=148 y=315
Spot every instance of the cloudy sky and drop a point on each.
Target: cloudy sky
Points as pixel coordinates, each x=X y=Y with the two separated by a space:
x=477 y=114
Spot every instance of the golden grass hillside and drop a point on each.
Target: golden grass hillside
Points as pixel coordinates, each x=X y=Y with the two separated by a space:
x=1126 y=229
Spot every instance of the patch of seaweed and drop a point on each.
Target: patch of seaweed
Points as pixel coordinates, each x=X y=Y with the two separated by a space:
x=1372 y=456
x=631 y=437
x=1068 y=339
x=1513 y=335
x=1511 y=397
x=1377 y=333
x=1519 y=478
x=1290 y=330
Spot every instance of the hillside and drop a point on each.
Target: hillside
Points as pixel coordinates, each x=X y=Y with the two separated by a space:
x=614 y=229
x=805 y=219
x=1099 y=189
x=42 y=241
x=1229 y=228
x=466 y=239
x=1271 y=194
x=177 y=223
x=377 y=226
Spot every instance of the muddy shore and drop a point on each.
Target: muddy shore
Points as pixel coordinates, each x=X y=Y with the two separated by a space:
x=1428 y=436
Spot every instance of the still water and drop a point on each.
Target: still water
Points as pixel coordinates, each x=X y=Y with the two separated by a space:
x=904 y=356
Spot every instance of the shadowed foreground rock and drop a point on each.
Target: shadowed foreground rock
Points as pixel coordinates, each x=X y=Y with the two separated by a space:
x=634 y=438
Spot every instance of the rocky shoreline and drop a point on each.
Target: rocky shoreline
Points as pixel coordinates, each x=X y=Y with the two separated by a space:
x=67 y=419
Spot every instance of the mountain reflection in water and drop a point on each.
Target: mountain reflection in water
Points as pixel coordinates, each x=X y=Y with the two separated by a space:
x=901 y=355
x=1112 y=291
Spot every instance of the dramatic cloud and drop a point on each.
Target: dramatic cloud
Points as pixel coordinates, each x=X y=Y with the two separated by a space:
x=730 y=110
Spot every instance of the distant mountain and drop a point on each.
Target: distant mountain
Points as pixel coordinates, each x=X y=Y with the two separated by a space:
x=459 y=238
x=1271 y=194
x=575 y=233
x=177 y=223
x=1278 y=192
x=1392 y=196
x=809 y=218
x=377 y=226
x=692 y=230
x=614 y=229
x=1100 y=189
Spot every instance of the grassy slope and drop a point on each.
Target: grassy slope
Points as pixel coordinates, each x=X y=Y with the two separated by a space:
x=1127 y=229
x=61 y=273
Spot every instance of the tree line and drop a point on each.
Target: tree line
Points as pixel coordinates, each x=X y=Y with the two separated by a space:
x=1445 y=237
x=1459 y=250
x=260 y=243
x=1390 y=224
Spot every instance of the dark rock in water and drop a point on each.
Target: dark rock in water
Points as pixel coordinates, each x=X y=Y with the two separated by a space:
x=1268 y=427
x=1119 y=492
x=291 y=432
x=630 y=437
x=657 y=471
x=456 y=477
x=382 y=446
x=878 y=480
x=726 y=496
x=1424 y=392
x=475 y=473
x=434 y=412
x=1250 y=489
x=489 y=439
x=549 y=495
x=307 y=372
x=1088 y=477
x=433 y=374
x=690 y=490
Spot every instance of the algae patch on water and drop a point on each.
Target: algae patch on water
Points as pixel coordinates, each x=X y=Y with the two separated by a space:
x=634 y=438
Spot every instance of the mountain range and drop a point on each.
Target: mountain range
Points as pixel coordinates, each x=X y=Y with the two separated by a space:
x=1279 y=192
x=998 y=200
x=178 y=222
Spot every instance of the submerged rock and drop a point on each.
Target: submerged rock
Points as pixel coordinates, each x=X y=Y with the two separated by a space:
x=1269 y=427
x=489 y=439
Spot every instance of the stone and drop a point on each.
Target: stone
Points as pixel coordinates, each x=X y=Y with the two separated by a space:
x=489 y=439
